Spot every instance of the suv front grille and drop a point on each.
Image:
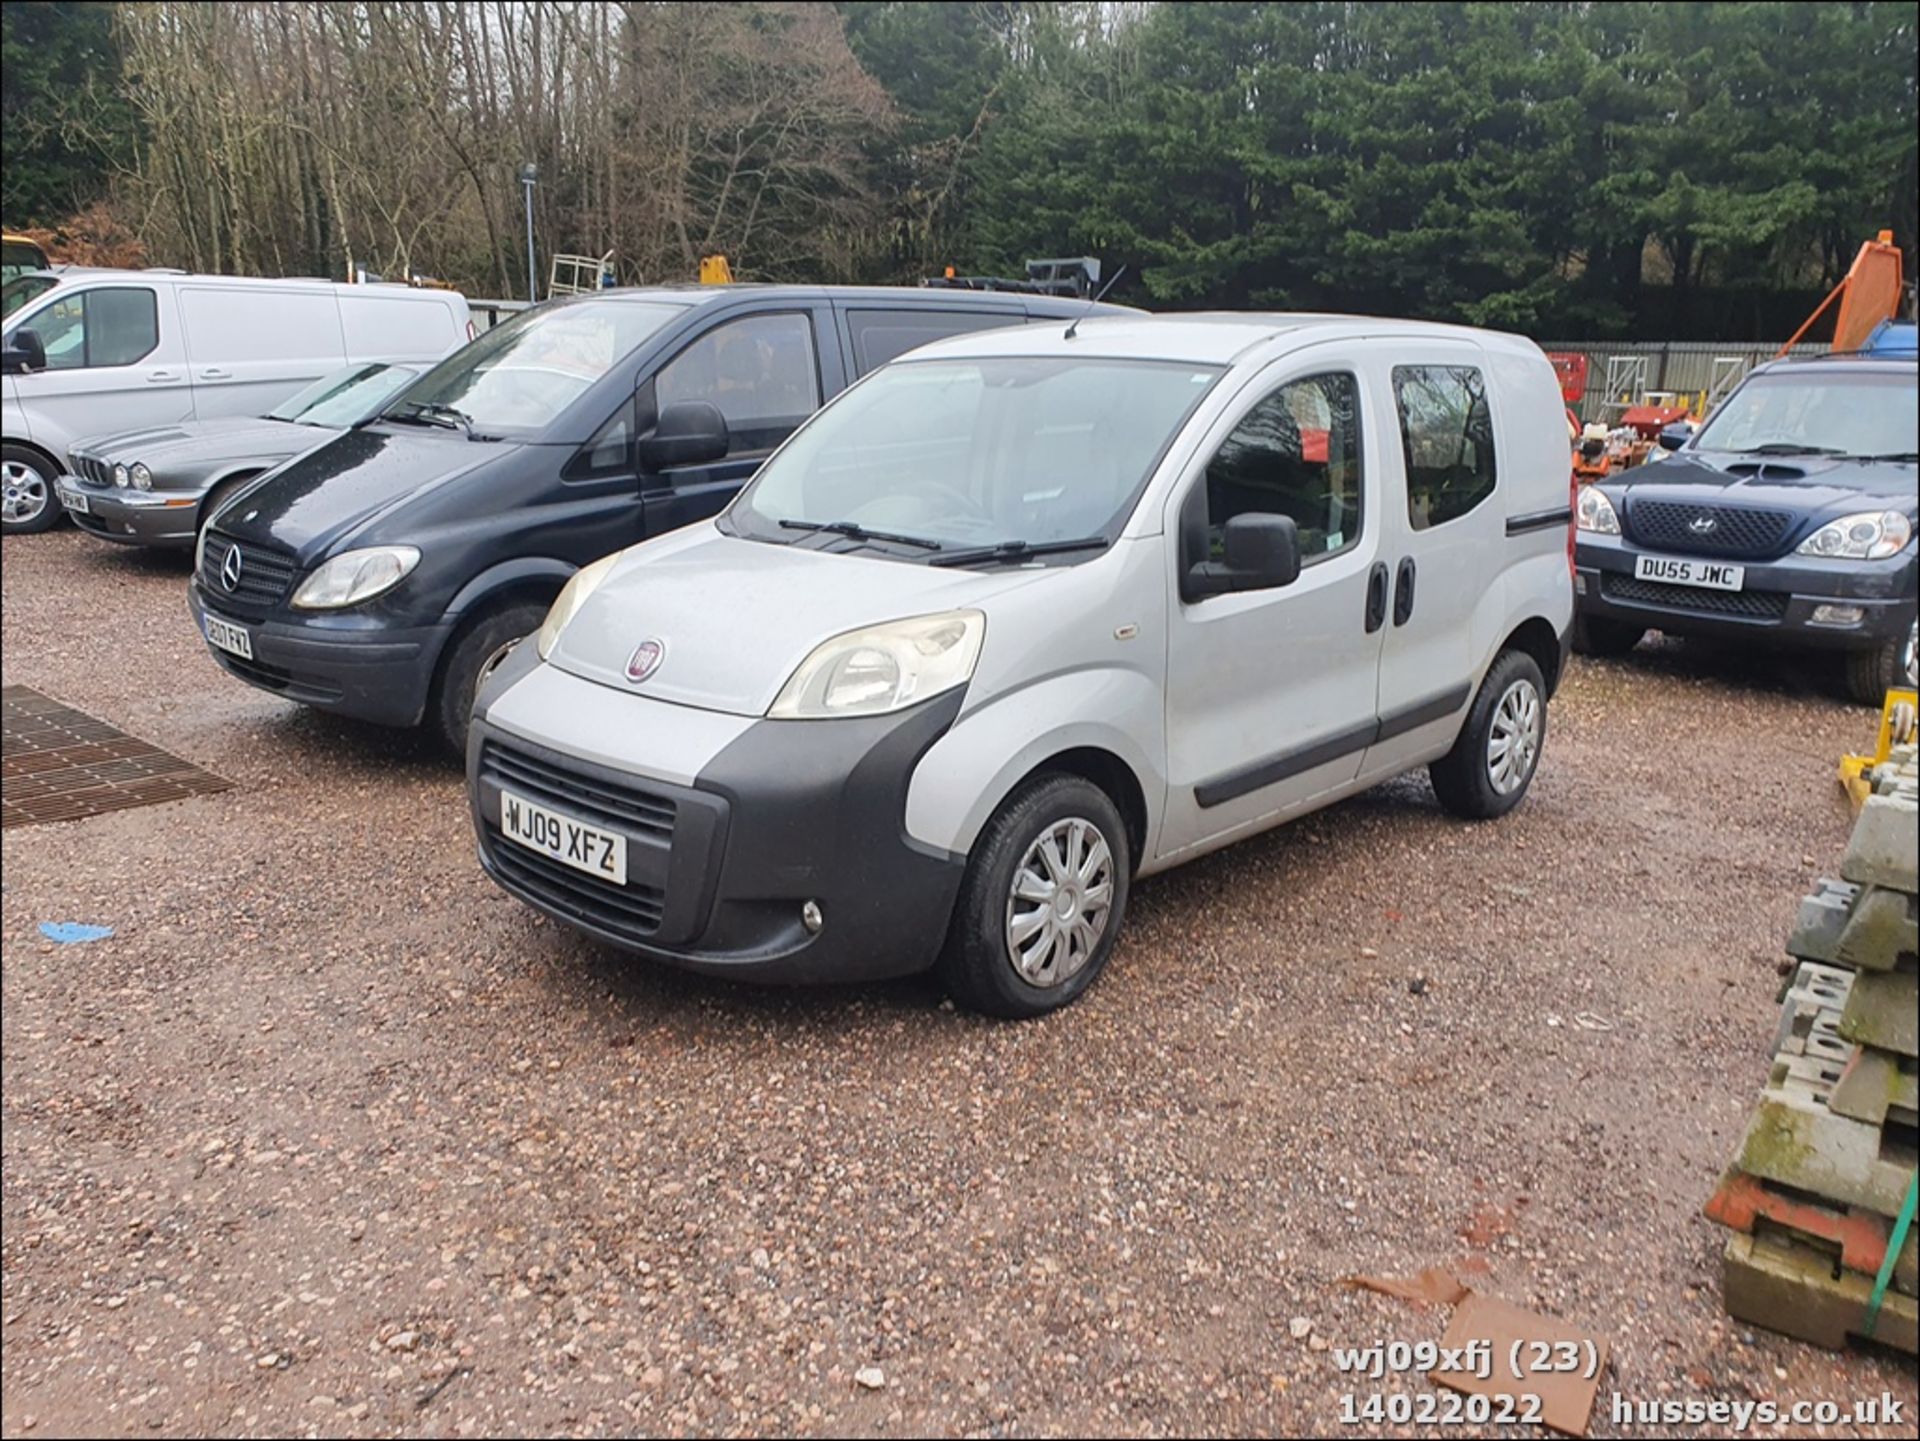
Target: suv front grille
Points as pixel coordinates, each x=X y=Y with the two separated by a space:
x=1750 y=604
x=1736 y=530
x=265 y=576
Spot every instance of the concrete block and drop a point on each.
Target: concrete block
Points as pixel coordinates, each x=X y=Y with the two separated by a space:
x=1796 y=1140
x=1885 y=847
x=1791 y=1288
x=1883 y=1010
x=1875 y=1085
x=1821 y=922
x=1882 y=931
x=1857 y=1238
x=1811 y=990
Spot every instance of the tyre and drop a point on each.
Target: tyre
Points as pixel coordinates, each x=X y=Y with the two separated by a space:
x=217 y=497
x=1043 y=898
x=452 y=704
x=1491 y=765
x=1598 y=635
x=1872 y=673
x=29 y=505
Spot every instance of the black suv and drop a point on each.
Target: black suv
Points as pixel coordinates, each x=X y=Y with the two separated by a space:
x=377 y=575
x=1790 y=516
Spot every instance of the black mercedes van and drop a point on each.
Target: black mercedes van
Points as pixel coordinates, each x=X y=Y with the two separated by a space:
x=376 y=575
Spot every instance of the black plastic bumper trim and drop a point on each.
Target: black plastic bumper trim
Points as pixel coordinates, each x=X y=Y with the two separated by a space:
x=1540 y=520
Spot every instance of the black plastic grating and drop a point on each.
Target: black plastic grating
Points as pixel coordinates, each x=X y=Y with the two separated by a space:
x=631 y=910
x=265 y=576
x=1707 y=528
x=1751 y=604
x=624 y=808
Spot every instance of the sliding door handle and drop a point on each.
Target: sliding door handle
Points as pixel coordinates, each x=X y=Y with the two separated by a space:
x=1403 y=592
x=1376 y=596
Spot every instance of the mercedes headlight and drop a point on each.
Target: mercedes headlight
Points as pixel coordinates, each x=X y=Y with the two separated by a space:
x=884 y=667
x=120 y=476
x=584 y=582
x=354 y=576
x=142 y=477
x=1871 y=535
x=1594 y=512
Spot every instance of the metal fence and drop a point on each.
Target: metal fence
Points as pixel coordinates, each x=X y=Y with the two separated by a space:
x=489 y=313
x=1696 y=374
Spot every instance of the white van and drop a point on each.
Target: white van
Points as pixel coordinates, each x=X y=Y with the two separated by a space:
x=86 y=351
x=1027 y=614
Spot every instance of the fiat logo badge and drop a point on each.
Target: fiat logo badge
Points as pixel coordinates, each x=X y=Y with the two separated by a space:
x=645 y=659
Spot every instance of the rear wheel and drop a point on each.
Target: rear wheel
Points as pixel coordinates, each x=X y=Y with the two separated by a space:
x=1598 y=635
x=1043 y=898
x=472 y=652
x=27 y=502
x=1872 y=673
x=1491 y=765
x=211 y=502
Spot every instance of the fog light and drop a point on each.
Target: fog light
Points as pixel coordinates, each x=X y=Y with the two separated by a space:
x=810 y=916
x=1838 y=615
x=1579 y=583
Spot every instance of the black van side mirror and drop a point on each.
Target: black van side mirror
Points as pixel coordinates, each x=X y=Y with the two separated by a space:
x=690 y=433
x=23 y=353
x=1676 y=435
x=1262 y=553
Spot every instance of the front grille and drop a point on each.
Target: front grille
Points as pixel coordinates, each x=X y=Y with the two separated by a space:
x=617 y=807
x=630 y=910
x=1750 y=604
x=265 y=576
x=90 y=469
x=1737 y=530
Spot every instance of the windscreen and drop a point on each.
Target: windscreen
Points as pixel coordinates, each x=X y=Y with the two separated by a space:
x=26 y=287
x=979 y=451
x=346 y=397
x=515 y=379
x=1806 y=411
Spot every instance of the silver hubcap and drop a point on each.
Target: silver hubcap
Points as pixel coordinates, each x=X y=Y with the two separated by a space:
x=1912 y=656
x=1514 y=743
x=1061 y=898
x=25 y=493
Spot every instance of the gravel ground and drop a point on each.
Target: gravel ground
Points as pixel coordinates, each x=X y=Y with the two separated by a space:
x=333 y=1136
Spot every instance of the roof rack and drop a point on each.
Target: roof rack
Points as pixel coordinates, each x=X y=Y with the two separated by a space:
x=1079 y=276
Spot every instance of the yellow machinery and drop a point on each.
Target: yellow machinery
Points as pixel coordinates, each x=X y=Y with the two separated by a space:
x=714 y=270
x=1897 y=725
x=1868 y=294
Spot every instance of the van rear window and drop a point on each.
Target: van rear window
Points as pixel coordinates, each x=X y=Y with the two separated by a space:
x=1446 y=436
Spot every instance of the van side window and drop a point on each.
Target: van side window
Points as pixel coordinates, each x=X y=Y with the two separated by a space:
x=1446 y=433
x=1296 y=453
x=609 y=452
x=115 y=326
x=760 y=372
x=880 y=335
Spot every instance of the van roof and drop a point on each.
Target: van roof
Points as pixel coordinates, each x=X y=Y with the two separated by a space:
x=152 y=272
x=691 y=292
x=1215 y=338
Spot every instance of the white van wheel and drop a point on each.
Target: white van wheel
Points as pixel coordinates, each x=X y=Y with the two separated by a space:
x=1487 y=772
x=26 y=503
x=1043 y=898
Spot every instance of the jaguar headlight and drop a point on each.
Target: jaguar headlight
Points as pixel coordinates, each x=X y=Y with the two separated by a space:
x=120 y=476
x=884 y=668
x=142 y=477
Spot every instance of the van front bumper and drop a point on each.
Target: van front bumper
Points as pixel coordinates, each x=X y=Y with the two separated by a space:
x=1781 y=598
x=381 y=675
x=131 y=517
x=719 y=873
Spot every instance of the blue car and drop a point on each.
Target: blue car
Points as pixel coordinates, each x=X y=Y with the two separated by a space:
x=1788 y=518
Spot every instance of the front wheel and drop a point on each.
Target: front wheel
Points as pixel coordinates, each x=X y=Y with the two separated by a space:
x=1872 y=673
x=29 y=505
x=1491 y=765
x=1042 y=900
x=468 y=659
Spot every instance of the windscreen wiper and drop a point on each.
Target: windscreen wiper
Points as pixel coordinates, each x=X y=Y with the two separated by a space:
x=433 y=413
x=1890 y=455
x=1017 y=550
x=853 y=530
x=1788 y=447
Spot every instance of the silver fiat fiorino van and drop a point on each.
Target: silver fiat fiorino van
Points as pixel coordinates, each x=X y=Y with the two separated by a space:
x=1025 y=615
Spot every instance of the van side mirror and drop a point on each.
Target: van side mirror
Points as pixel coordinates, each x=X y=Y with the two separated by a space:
x=23 y=353
x=1262 y=553
x=1676 y=435
x=690 y=433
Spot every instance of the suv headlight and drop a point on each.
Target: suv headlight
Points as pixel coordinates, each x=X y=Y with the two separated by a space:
x=142 y=477
x=582 y=584
x=884 y=667
x=1594 y=512
x=1871 y=535
x=356 y=575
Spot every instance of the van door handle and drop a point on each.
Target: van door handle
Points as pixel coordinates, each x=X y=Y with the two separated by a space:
x=1403 y=592
x=1376 y=596
x=213 y=372
x=156 y=376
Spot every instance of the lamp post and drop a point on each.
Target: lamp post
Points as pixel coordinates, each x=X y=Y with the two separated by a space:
x=529 y=176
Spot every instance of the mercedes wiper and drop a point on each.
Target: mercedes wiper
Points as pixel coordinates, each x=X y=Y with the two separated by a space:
x=1019 y=550
x=1789 y=447
x=853 y=530
x=1890 y=455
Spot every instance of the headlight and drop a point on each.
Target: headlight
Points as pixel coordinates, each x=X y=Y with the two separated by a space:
x=584 y=582
x=120 y=476
x=141 y=476
x=1868 y=536
x=884 y=667
x=356 y=575
x=1595 y=512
